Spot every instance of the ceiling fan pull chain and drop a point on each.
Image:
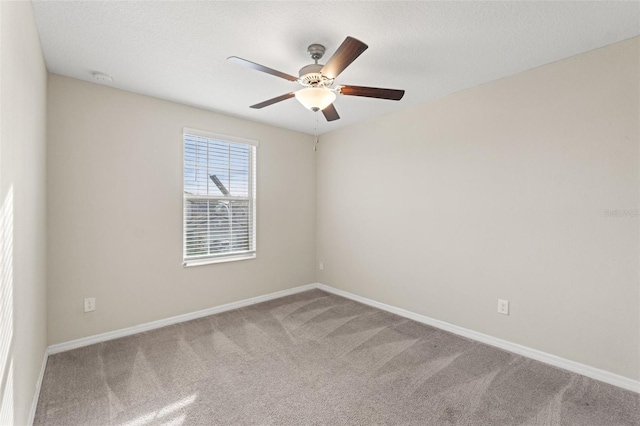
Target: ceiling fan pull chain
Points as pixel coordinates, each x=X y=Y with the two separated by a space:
x=315 y=131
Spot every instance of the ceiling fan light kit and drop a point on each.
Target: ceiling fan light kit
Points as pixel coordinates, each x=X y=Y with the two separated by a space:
x=315 y=98
x=317 y=79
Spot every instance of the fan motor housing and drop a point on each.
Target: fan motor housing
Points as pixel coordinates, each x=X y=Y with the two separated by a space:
x=310 y=76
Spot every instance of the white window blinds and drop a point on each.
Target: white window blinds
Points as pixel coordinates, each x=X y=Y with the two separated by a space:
x=219 y=198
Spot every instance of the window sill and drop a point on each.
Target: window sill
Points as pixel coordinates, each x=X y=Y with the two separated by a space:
x=210 y=260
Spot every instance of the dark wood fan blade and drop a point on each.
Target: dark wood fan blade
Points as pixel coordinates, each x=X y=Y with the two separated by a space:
x=330 y=113
x=262 y=68
x=348 y=51
x=273 y=101
x=372 y=92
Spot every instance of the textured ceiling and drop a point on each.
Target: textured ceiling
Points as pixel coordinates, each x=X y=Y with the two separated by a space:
x=178 y=50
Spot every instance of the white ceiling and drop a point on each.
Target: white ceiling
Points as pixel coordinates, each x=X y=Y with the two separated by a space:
x=178 y=50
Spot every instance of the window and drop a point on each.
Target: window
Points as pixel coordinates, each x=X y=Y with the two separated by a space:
x=219 y=198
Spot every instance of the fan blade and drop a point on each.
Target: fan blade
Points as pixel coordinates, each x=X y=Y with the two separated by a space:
x=372 y=92
x=330 y=113
x=262 y=68
x=273 y=101
x=348 y=51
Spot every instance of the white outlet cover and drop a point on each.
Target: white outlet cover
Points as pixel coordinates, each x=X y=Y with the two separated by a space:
x=90 y=304
x=503 y=307
x=321 y=265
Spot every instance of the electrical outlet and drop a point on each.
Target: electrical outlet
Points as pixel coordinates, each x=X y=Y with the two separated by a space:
x=503 y=307
x=321 y=265
x=90 y=304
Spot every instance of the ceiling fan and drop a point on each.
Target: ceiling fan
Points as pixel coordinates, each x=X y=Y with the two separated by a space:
x=317 y=79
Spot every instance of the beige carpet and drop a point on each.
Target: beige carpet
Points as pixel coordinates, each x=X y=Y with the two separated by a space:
x=316 y=358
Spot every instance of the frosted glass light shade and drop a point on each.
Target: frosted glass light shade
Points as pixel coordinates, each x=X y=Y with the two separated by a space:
x=315 y=98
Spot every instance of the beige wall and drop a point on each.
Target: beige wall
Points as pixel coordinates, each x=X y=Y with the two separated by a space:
x=500 y=191
x=23 y=79
x=115 y=211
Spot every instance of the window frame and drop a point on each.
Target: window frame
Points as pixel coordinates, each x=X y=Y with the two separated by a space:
x=251 y=198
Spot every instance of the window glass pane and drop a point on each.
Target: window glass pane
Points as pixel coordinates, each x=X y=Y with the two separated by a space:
x=190 y=186
x=239 y=157
x=239 y=183
x=219 y=182
x=196 y=227
x=219 y=154
x=217 y=226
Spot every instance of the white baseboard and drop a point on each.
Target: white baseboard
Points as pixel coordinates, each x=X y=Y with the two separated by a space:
x=36 y=396
x=90 y=340
x=556 y=361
